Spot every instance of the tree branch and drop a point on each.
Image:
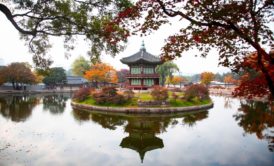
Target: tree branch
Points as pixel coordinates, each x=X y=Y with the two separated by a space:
x=9 y=16
x=193 y=21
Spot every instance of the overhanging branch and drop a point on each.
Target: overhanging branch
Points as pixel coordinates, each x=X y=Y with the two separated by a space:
x=9 y=16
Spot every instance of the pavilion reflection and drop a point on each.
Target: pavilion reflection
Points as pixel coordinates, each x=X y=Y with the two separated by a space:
x=142 y=129
x=142 y=135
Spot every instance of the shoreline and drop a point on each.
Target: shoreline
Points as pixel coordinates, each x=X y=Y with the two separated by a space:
x=35 y=91
x=140 y=110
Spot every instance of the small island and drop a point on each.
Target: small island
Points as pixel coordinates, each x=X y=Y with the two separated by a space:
x=142 y=92
x=156 y=100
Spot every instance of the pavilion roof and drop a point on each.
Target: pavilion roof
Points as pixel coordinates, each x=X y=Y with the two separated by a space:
x=141 y=57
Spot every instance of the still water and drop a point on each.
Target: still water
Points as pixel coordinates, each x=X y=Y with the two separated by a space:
x=44 y=130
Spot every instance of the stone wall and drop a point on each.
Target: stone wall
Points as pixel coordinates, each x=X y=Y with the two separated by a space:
x=137 y=110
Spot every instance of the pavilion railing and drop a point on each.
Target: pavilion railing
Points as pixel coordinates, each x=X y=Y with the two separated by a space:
x=143 y=75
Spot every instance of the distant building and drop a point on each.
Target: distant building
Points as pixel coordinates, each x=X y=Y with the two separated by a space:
x=142 y=74
x=76 y=81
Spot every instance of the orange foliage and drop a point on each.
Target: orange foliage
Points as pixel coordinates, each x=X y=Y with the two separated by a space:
x=229 y=79
x=177 y=80
x=207 y=77
x=101 y=72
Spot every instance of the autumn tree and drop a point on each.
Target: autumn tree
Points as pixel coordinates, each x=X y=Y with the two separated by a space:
x=206 y=78
x=92 y=20
x=80 y=66
x=252 y=81
x=177 y=80
x=232 y=27
x=165 y=70
x=101 y=72
x=18 y=73
x=38 y=77
x=56 y=76
x=228 y=79
x=2 y=78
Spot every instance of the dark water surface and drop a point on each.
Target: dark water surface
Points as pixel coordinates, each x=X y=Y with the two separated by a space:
x=44 y=130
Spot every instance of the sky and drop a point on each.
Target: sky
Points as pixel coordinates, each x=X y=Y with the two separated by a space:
x=14 y=50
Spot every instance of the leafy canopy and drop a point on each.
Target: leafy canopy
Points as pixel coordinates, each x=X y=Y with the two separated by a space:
x=56 y=76
x=80 y=66
x=234 y=28
x=37 y=20
x=17 y=73
x=101 y=72
x=166 y=70
x=207 y=77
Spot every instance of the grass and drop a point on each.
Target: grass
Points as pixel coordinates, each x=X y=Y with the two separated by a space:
x=147 y=97
x=91 y=101
x=143 y=96
x=183 y=103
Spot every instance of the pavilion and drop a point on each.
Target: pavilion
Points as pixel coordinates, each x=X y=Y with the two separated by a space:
x=142 y=74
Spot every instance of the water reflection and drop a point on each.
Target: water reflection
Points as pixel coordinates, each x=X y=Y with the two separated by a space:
x=257 y=118
x=55 y=103
x=142 y=130
x=17 y=108
x=191 y=119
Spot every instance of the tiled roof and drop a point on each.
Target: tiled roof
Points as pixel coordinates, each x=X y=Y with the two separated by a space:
x=141 y=57
x=72 y=80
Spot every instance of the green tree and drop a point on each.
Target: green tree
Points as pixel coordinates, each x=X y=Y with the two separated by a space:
x=166 y=70
x=80 y=66
x=56 y=76
x=93 y=20
x=18 y=73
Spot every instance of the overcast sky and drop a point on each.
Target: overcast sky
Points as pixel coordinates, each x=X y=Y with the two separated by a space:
x=14 y=50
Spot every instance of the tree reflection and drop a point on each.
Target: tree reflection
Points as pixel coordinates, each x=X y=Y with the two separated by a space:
x=17 y=108
x=141 y=129
x=257 y=117
x=191 y=119
x=228 y=102
x=106 y=121
x=56 y=103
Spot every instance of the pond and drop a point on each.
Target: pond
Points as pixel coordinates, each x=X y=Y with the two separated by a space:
x=45 y=130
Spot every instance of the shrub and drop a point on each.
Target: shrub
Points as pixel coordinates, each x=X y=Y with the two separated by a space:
x=176 y=90
x=108 y=95
x=196 y=91
x=109 y=91
x=128 y=94
x=175 y=96
x=82 y=94
x=159 y=93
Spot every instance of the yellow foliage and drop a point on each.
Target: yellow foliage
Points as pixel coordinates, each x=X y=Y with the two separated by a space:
x=207 y=77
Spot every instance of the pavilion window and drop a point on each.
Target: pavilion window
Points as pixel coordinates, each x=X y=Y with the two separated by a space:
x=148 y=82
x=136 y=82
x=148 y=70
x=135 y=70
